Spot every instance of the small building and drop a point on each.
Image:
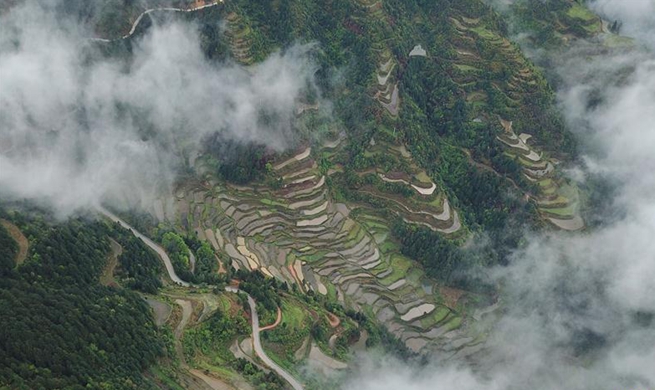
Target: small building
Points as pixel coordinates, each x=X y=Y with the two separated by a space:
x=418 y=51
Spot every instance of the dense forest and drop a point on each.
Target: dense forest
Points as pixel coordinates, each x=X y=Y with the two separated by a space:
x=140 y=267
x=181 y=247
x=8 y=250
x=61 y=329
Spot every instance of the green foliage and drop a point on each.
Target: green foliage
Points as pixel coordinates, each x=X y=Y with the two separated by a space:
x=215 y=334
x=263 y=290
x=440 y=257
x=236 y=162
x=378 y=335
x=60 y=328
x=69 y=254
x=206 y=262
x=293 y=330
x=213 y=337
x=178 y=252
x=259 y=378
x=140 y=267
x=481 y=193
x=445 y=261
x=206 y=269
x=8 y=250
x=179 y=248
x=549 y=21
x=115 y=16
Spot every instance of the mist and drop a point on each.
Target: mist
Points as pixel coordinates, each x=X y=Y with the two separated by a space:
x=77 y=128
x=636 y=16
x=578 y=308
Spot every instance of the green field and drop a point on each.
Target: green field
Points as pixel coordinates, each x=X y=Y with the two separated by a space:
x=399 y=264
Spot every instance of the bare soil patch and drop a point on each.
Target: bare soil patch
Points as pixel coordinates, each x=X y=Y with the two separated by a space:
x=21 y=240
x=213 y=382
x=107 y=277
x=162 y=311
x=451 y=295
x=334 y=320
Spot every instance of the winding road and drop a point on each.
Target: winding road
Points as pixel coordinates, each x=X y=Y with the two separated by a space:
x=257 y=344
x=251 y=302
x=148 y=11
x=160 y=251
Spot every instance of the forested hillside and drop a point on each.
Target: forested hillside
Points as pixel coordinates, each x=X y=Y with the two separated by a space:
x=60 y=328
x=8 y=250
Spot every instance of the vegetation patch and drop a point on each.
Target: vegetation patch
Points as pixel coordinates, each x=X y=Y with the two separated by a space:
x=107 y=337
x=581 y=12
x=399 y=266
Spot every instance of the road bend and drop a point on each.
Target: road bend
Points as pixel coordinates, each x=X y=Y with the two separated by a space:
x=160 y=251
x=257 y=344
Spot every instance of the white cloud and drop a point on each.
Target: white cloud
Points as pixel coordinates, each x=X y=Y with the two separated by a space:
x=564 y=293
x=76 y=128
x=637 y=16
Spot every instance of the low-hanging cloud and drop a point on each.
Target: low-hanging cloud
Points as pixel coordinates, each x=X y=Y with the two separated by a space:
x=579 y=307
x=636 y=16
x=77 y=128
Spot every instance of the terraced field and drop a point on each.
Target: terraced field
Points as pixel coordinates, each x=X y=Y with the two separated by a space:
x=406 y=190
x=386 y=90
x=184 y=311
x=557 y=201
x=519 y=80
x=292 y=227
x=298 y=233
x=239 y=35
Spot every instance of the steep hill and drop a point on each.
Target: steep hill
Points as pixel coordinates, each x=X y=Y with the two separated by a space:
x=424 y=148
x=440 y=125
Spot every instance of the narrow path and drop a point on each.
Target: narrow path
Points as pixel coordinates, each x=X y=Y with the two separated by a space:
x=187 y=309
x=276 y=323
x=162 y=310
x=160 y=251
x=334 y=320
x=325 y=362
x=214 y=383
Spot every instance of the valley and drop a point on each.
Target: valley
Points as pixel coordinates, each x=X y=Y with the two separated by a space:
x=361 y=213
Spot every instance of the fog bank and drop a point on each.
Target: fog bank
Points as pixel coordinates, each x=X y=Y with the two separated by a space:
x=76 y=129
